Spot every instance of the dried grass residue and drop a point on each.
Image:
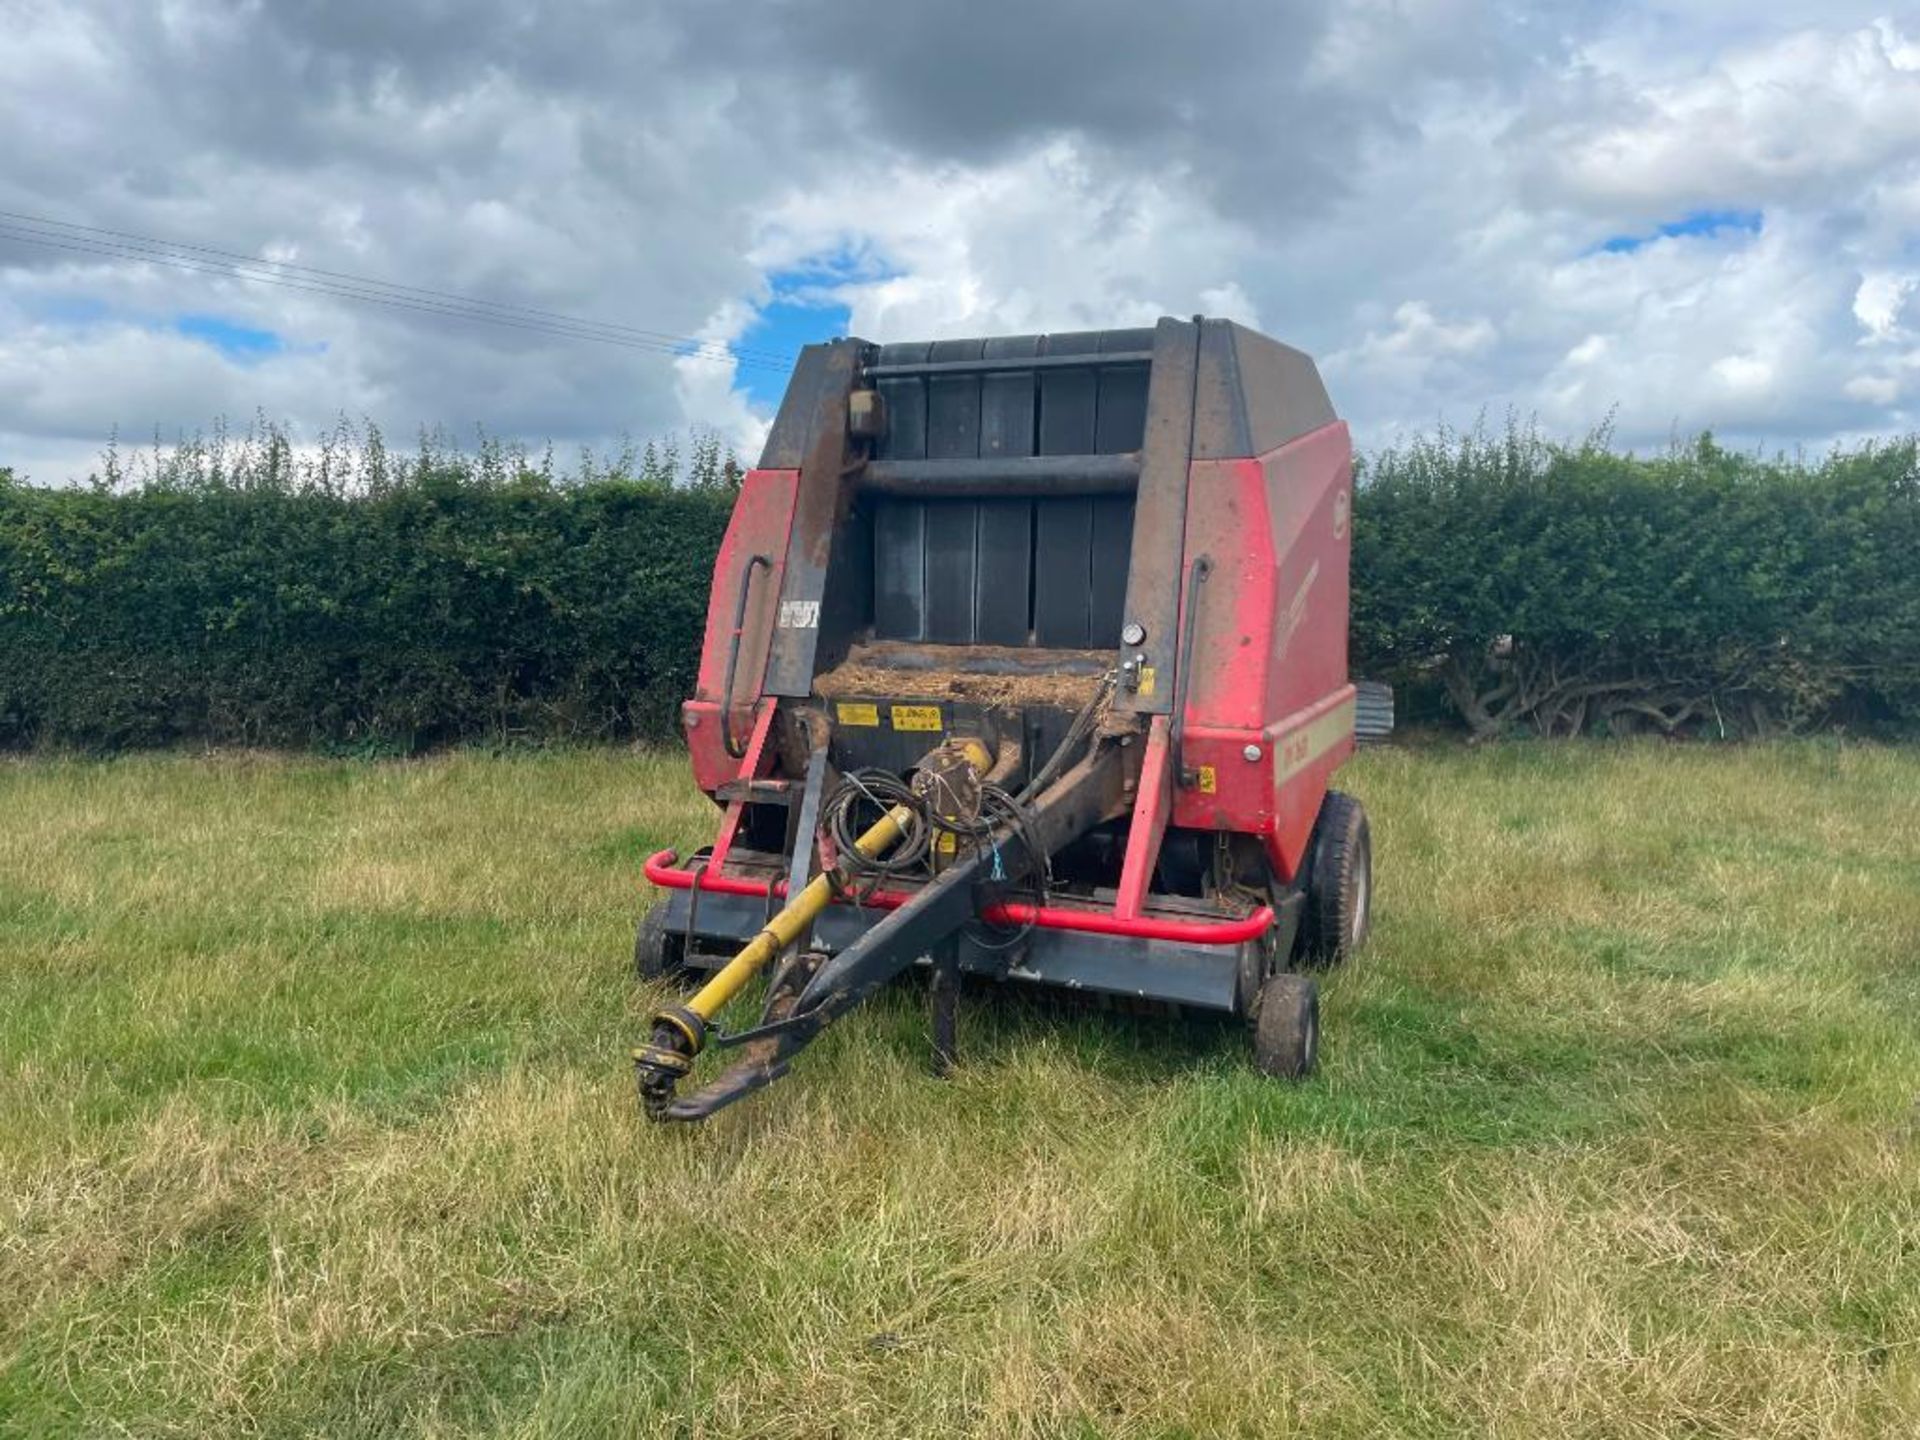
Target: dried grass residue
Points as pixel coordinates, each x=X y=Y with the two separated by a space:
x=865 y=673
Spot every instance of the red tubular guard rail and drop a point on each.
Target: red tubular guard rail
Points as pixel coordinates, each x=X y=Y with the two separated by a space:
x=660 y=869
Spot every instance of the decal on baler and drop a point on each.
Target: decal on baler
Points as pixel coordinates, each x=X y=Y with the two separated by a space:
x=857 y=712
x=916 y=717
x=1296 y=612
x=799 y=614
x=1297 y=751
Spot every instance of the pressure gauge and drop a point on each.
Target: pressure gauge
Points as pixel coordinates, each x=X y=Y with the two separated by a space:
x=1133 y=633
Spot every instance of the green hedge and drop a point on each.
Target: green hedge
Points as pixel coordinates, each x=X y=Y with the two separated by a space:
x=440 y=611
x=1560 y=589
x=1530 y=586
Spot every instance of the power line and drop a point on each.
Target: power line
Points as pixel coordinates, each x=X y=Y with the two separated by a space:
x=125 y=245
x=558 y=328
x=149 y=242
x=390 y=302
x=135 y=247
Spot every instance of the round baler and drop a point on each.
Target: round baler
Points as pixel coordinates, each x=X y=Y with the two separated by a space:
x=1026 y=658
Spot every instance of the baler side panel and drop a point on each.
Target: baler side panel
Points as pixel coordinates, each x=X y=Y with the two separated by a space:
x=762 y=520
x=1309 y=696
x=1269 y=662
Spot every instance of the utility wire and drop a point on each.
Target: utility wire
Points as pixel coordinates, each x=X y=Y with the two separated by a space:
x=148 y=242
x=390 y=302
x=124 y=245
x=355 y=287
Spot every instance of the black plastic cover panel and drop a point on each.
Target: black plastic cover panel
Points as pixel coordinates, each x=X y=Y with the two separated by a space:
x=1099 y=410
x=1048 y=571
x=1252 y=394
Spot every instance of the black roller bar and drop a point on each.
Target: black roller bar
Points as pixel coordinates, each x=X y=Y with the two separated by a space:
x=1000 y=365
x=1007 y=475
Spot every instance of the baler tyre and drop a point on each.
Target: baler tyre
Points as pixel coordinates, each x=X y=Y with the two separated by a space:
x=1286 y=1026
x=1339 y=910
x=658 y=954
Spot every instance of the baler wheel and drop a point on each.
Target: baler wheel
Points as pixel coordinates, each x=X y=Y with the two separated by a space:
x=1286 y=1026
x=1339 y=909
x=658 y=955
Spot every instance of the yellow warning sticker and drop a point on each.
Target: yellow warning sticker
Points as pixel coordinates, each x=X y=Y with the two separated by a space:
x=1146 y=679
x=1209 y=783
x=858 y=712
x=916 y=717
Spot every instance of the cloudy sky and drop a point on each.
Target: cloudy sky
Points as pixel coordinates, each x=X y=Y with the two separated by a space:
x=1686 y=215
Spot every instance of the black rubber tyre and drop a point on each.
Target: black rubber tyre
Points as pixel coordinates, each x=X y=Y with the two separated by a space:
x=1339 y=909
x=1286 y=1026
x=658 y=955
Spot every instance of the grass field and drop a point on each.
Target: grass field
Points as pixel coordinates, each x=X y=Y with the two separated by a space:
x=315 y=1118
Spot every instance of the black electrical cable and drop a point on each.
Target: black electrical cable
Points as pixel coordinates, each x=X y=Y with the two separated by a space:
x=842 y=818
x=864 y=795
x=163 y=248
x=365 y=293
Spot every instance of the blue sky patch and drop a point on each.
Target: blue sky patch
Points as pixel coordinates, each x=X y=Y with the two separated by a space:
x=1698 y=222
x=231 y=339
x=244 y=343
x=805 y=308
x=781 y=328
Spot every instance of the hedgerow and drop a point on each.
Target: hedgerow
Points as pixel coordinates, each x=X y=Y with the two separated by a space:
x=398 y=604
x=246 y=593
x=1558 y=589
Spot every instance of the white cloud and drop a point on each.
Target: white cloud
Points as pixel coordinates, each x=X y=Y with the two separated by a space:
x=1229 y=302
x=1416 y=190
x=1874 y=389
x=1417 y=352
x=1879 y=301
x=706 y=383
x=1803 y=117
x=1042 y=241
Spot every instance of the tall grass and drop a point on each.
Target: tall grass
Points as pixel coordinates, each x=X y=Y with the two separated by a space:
x=317 y=1121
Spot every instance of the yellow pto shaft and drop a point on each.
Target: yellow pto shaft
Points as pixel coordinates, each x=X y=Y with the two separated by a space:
x=945 y=789
x=792 y=922
x=680 y=1031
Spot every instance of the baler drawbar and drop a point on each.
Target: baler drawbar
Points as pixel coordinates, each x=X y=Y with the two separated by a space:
x=1025 y=658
